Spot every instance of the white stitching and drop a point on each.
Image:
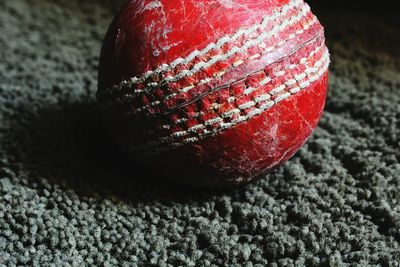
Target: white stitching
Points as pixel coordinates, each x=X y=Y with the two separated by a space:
x=300 y=76
x=278 y=89
x=281 y=87
x=213 y=121
x=265 y=81
x=295 y=90
x=281 y=97
x=261 y=109
x=196 y=128
x=186 y=89
x=267 y=105
x=247 y=105
x=246 y=45
x=238 y=63
x=290 y=82
x=262 y=98
x=324 y=62
x=284 y=10
x=231 y=112
x=304 y=84
x=165 y=67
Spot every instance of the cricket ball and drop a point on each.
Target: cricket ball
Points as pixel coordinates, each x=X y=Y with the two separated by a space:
x=213 y=92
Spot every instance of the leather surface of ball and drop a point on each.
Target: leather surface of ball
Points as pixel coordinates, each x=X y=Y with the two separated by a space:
x=213 y=92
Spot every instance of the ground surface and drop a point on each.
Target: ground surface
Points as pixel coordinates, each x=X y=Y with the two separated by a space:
x=68 y=196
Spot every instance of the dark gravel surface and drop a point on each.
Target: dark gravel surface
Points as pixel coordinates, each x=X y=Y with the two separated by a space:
x=69 y=197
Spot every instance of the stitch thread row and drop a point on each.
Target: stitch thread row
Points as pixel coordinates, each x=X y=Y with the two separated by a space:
x=167 y=67
x=206 y=80
x=313 y=74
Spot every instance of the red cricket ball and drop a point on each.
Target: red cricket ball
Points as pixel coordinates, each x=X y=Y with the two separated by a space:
x=213 y=92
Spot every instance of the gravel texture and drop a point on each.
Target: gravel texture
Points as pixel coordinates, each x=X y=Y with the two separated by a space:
x=69 y=197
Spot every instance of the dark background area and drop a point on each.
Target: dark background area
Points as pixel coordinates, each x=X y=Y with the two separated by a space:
x=387 y=7
x=67 y=195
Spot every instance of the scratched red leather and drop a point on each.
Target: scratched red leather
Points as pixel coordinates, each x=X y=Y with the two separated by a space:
x=213 y=92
